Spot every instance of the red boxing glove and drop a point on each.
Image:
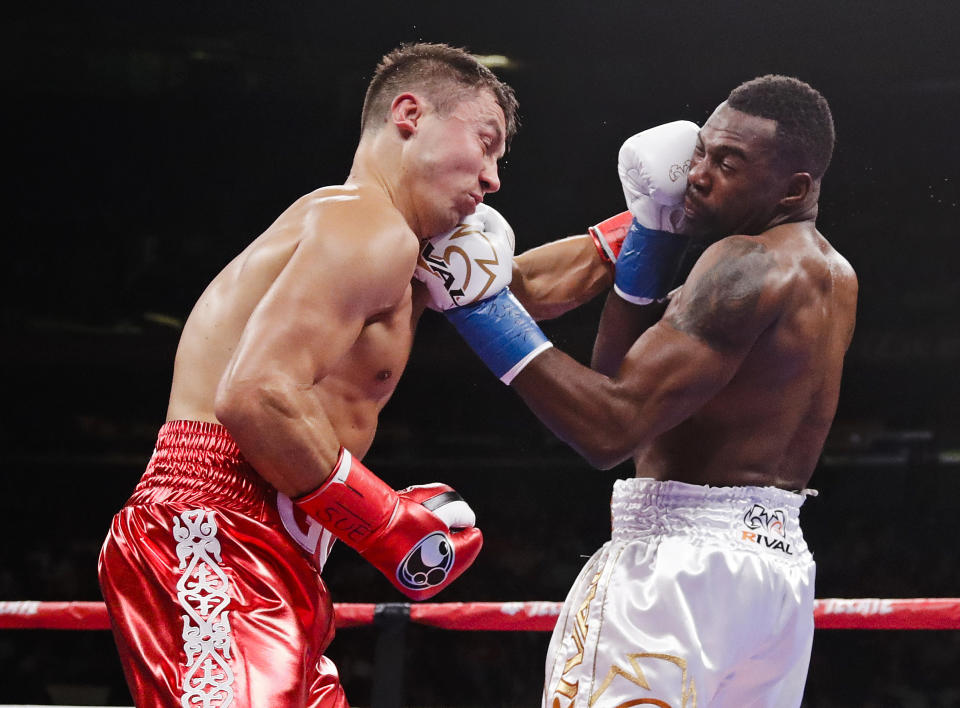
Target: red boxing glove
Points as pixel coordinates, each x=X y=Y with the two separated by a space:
x=421 y=538
x=608 y=235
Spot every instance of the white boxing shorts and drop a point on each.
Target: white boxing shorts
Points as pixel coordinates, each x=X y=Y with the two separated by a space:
x=702 y=597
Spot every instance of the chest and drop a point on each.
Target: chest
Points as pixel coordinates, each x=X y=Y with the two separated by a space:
x=373 y=366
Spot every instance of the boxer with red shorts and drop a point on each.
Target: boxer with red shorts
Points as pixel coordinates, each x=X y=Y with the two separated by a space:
x=211 y=572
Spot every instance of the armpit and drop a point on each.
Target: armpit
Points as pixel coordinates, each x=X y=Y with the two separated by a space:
x=721 y=304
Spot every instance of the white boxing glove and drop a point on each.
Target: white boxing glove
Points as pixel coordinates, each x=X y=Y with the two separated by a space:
x=653 y=168
x=467 y=272
x=471 y=263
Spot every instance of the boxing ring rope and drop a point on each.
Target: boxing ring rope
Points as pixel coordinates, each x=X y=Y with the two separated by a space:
x=862 y=613
x=392 y=619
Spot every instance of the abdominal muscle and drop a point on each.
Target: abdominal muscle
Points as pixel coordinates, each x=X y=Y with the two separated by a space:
x=352 y=395
x=765 y=428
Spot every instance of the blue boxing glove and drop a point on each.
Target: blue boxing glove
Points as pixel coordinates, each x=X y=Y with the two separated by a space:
x=653 y=168
x=467 y=272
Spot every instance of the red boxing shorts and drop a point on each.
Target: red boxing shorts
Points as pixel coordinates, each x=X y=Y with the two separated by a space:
x=213 y=584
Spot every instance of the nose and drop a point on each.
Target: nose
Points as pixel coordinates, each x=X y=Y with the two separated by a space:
x=697 y=177
x=490 y=178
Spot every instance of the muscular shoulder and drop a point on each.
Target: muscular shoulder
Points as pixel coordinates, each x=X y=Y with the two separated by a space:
x=732 y=294
x=817 y=272
x=845 y=273
x=363 y=237
x=845 y=290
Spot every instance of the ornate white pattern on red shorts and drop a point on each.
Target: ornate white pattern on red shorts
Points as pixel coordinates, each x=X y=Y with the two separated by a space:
x=203 y=591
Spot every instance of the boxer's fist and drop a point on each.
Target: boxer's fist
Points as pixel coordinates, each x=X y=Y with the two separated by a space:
x=653 y=168
x=439 y=558
x=471 y=263
x=421 y=538
x=467 y=273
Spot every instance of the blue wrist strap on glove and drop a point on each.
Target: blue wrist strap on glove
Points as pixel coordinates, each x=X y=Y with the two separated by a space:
x=501 y=332
x=648 y=264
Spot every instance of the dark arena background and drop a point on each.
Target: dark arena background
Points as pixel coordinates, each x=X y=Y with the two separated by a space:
x=148 y=143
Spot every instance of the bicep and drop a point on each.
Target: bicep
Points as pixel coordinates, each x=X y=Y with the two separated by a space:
x=667 y=375
x=621 y=324
x=309 y=318
x=709 y=328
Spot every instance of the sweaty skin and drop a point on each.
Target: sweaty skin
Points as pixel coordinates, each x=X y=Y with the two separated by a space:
x=558 y=276
x=312 y=321
x=738 y=382
x=297 y=345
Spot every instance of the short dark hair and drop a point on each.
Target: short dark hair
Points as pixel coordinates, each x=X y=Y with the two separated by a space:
x=805 y=128
x=434 y=69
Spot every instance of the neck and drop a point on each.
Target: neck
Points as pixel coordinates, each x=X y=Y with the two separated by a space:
x=807 y=213
x=805 y=209
x=376 y=166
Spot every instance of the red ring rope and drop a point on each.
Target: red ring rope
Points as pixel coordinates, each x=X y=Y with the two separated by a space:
x=865 y=613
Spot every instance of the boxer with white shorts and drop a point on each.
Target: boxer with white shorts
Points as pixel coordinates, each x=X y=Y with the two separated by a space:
x=721 y=391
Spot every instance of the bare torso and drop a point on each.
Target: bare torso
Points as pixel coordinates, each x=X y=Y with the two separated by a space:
x=768 y=424
x=357 y=385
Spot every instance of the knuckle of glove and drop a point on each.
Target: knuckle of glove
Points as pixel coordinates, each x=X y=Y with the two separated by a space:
x=653 y=166
x=468 y=264
x=493 y=222
x=422 y=492
x=456 y=515
x=434 y=561
x=443 y=502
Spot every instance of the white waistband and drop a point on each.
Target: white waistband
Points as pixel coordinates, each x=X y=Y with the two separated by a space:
x=649 y=507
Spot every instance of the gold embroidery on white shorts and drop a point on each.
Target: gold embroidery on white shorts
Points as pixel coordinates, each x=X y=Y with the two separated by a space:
x=688 y=693
x=580 y=626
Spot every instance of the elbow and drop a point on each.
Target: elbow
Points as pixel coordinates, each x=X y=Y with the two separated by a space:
x=607 y=443
x=603 y=457
x=231 y=406
x=241 y=406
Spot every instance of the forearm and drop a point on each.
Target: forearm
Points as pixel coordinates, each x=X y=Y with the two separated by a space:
x=283 y=432
x=556 y=277
x=585 y=409
x=621 y=324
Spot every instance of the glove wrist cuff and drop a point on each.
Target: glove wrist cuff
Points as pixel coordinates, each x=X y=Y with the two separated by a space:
x=352 y=503
x=608 y=236
x=648 y=264
x=501 y=332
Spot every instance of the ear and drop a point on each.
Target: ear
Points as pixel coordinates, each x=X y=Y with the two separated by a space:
x=799 y=187
x=405 y=113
